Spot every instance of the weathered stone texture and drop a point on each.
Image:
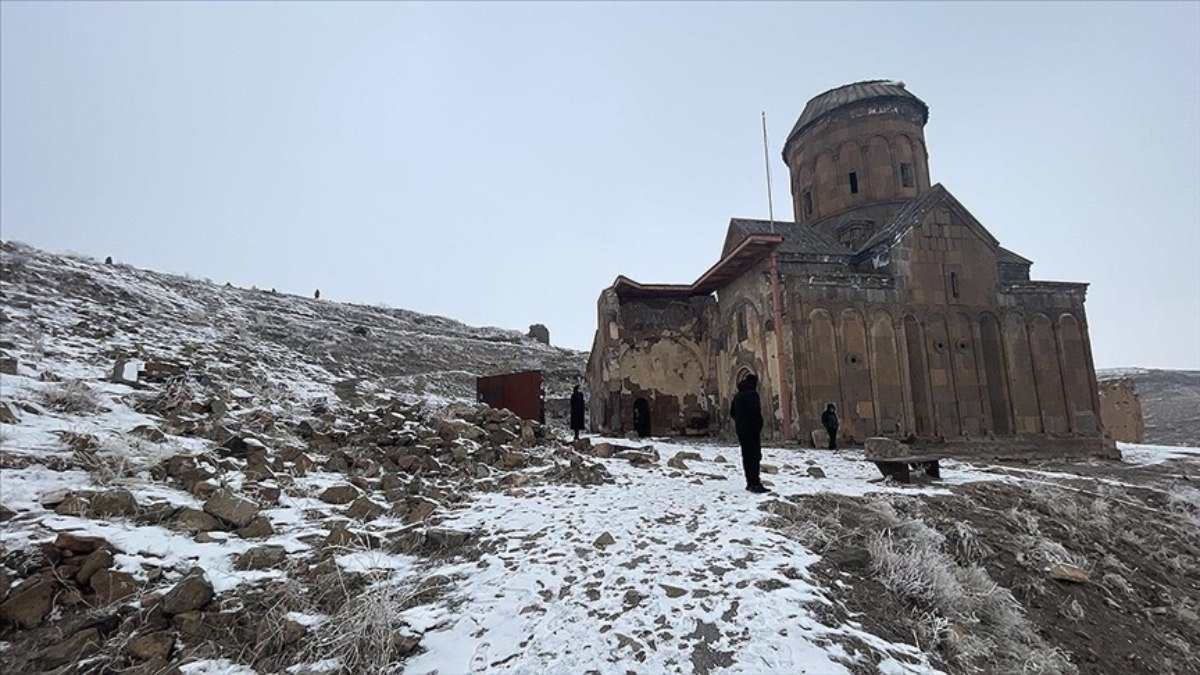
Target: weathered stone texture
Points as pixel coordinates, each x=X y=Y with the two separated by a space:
x=1121 y=410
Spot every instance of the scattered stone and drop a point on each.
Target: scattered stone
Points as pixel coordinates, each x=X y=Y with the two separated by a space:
x=149 y=647
x=339 y=494
x=405 y=644
x=632 y=599
x=604 y=540
x=9 y=413
x=420 y=511
x=194 y=520
x=676 y=462
x=816 y=472
x=720 y=459
x=257 y=528
x=94 y=562
x=820 y=438
x=81 y=645
x=364 y=509
x=30 y=602
x=73 y=505
x=6 y=514
x=52 y=498
x=78 y=543
x=8 y=365
x=124 y=372
x=603 y=450
x=260 y=558
x=443 y=537
x=512 y=460
x=340 y=536
x=231 y=508
x=769 y=468
x=112 y=586
x=118 y=502
x=190 y=594
x=150 y=433
x=1067 y=572
x=673 y=591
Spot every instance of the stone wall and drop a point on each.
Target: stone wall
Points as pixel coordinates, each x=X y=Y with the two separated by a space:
x=1121 y=410
x=654 y=354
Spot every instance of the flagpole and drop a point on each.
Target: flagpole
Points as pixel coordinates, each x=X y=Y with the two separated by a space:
x=785 y=394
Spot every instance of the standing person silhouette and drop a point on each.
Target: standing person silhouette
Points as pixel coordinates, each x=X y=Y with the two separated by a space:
x=577 y=411
x=746 y=411
x=829 y=420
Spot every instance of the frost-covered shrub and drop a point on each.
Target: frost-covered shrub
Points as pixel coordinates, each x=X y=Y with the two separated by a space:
x=71 y=396
x=366 y=633
x=1186 y=502
x=916 y=570
x=966 y=545
x=974 y=621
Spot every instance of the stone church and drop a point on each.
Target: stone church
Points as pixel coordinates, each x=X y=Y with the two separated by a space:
x=885 y=297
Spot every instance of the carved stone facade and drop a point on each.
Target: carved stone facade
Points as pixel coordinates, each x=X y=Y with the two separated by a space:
x=898 y=306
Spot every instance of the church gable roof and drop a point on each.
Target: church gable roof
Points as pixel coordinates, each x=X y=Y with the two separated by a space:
x=915 y=212
x=798 y=239
x=1007 y=257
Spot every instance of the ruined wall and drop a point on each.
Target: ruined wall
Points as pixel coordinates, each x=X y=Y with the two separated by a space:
x=1121 y=410
x=653 y=354
x=744 y=342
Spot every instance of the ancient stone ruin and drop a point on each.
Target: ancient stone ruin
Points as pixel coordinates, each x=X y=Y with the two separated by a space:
x=1121 y=410
x=885 y=296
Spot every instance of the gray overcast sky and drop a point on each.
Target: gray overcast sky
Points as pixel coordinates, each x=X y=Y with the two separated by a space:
x=501 y=164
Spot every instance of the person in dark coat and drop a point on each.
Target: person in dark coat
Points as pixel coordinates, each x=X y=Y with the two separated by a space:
x=746 y=411
x=577 y=411
x=829 y=420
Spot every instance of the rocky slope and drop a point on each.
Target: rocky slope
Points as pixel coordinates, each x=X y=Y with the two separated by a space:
x=64 y=306
x=1170 y=403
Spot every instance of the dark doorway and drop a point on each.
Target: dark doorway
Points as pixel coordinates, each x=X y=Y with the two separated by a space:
x=918 y=377
x=641 y=417
x=993 y=370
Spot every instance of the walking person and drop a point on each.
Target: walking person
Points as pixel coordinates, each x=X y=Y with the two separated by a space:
x=829 y=420
x=746 y=411
x=577 y=411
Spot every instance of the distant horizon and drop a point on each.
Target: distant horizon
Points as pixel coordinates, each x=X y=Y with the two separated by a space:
x=501 y=164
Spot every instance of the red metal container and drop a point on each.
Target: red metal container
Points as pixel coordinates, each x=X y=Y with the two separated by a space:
x=519 y=392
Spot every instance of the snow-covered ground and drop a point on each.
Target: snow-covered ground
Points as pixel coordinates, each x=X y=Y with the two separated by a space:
x=693 y=581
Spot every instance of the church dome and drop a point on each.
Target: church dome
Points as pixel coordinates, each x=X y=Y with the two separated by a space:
x=847 y=94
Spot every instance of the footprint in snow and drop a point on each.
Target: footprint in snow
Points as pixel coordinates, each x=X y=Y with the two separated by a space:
x=479 y=659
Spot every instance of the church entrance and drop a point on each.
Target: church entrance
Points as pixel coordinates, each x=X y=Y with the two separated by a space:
x=641 y=417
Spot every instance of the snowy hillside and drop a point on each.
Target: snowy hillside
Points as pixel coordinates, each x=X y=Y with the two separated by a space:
x=79 y=311
x=289 y=486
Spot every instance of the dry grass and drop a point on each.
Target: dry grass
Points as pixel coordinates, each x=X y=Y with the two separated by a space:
x=71 y=396
x=961 y=612
x=366 y=634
